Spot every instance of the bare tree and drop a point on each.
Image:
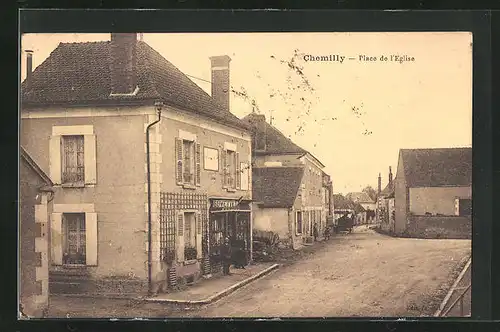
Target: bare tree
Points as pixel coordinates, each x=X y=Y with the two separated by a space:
x=299 y=97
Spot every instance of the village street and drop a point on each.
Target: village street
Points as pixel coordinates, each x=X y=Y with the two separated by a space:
x=358 y=274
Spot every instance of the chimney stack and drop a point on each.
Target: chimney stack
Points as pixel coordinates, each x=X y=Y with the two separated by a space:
x=259 y=126
x=29 y=64
x=123 y=63
x=379 y=183
x=390 y=176
x=220 y=80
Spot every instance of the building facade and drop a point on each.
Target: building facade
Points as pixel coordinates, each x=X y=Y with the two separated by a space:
x=147 y=174
x=313 y=204
x=433 y=193
x=35 y=206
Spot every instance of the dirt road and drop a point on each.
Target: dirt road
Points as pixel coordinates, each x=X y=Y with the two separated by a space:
x=360 y=274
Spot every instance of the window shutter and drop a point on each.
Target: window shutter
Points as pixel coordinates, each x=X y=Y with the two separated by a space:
x=199 y=224
x=178 y=156
x=91 y=238
x=457 y=206
x=56 y=238
x=224 y=168
x=197 y=164
x=237 y=178
x=89 y=156
x=180 y=237
x=55 y=159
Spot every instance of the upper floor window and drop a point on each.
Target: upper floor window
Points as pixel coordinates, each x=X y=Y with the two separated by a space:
x=73 y=164
x=72 y=155
x=188 y=154
x=231 y=168
x=463 y=207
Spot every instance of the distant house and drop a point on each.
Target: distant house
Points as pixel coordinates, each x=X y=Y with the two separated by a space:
x=433 y=193
x=344 y=205
x=278 y=207
x=35 y=200
x=368 y=204
x=385 y=212
x=272 y=149
x=151 y=173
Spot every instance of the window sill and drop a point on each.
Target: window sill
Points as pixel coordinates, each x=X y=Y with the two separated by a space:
x=190 y=262
x=189 y=186
x=74 y=266
x=230 y=190
x=73 y=185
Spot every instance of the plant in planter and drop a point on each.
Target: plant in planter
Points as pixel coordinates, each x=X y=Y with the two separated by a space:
x=190 y=253
x=168 y=256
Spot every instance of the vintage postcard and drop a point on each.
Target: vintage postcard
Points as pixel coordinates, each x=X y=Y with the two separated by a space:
x=245 y=175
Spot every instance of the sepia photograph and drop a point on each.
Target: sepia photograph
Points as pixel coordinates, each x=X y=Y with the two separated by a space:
x=245 y=175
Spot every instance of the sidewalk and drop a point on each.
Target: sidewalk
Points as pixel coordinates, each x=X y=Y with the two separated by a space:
x=210 y=290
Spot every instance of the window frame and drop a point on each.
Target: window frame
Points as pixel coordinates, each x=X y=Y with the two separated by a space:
x=298 y=230
x=57 y=155
x=65 y=226
x=192 y=161
x=231 y=149
x=65 y=139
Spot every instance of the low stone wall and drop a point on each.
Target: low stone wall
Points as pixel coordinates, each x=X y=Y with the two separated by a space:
x=439 y=227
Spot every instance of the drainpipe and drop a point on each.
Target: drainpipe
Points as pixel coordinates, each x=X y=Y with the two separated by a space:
x=158 y=107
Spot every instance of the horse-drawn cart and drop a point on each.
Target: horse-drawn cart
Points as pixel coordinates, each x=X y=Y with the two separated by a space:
x=345 y=224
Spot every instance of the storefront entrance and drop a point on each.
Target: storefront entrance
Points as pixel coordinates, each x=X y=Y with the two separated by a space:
x=228 y=218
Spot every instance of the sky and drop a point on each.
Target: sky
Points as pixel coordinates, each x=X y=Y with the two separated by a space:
x=352 y=115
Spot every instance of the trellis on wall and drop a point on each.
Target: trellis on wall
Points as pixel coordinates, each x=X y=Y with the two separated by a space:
x=170 y=205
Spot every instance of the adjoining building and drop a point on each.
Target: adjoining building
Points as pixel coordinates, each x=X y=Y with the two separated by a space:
x=433 y=193
x=291 y=191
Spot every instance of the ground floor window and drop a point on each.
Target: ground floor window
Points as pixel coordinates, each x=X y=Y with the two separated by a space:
x=298 y=222
x=74 y=238
x=463 y=207
x=190 y=236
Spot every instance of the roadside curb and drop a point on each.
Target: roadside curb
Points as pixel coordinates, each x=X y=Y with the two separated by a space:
x=453 y=287
x=219 y=295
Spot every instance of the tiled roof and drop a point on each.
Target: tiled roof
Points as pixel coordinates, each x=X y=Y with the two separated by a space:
x=360 y=197
x=276 y=141
x=79 y=73
x=388 y=190
x=437 y=167
x=276 y=186
x=342 y=203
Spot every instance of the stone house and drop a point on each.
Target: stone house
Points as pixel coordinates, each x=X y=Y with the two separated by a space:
x=345 y=205
x=368 y=204
x=150 y=171
x=433 y=193
x=35 y=205
x=385 y=204
x=308 y=199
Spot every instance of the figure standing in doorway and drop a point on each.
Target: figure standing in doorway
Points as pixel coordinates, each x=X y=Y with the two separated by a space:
x=226 y=256
x=315 y=231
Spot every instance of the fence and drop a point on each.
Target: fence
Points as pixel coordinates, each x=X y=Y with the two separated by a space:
x=459 y=300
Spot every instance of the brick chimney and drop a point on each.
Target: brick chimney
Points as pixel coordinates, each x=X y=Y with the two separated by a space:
x=123 y=63
x=390 y=176
x=220 y=80
x=379 y=183
x=29 y=64
x=258 y=126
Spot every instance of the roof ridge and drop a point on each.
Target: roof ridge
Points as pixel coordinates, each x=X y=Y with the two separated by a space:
x=147 y=62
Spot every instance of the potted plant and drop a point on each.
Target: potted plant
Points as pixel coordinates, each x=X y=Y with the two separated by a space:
x=190 y=253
